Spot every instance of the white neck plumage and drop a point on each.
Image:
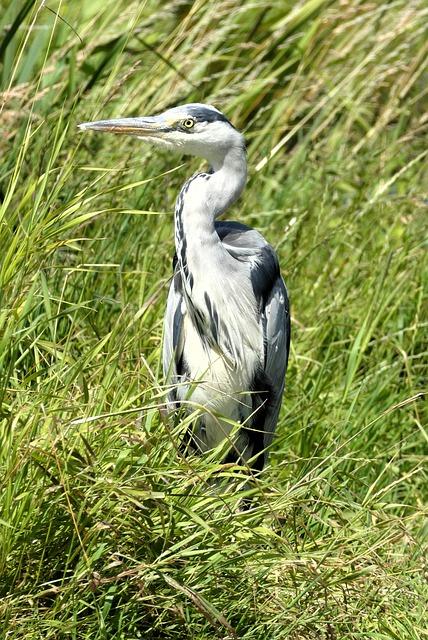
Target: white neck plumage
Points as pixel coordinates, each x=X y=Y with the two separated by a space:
x=206 y=196
x=202 y=199
x=227 y=180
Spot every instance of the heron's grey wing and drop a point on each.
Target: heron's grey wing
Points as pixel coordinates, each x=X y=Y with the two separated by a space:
x=276 y=333
x=271 y=294
x=248 y=245
x=173 y=335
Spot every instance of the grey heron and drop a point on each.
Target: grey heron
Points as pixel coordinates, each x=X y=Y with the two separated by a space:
x=227 y=321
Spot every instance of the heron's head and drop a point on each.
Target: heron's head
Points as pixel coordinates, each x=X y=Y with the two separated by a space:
x=195 y=129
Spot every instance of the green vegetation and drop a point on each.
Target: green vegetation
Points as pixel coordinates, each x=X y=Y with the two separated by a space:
x=106 y=532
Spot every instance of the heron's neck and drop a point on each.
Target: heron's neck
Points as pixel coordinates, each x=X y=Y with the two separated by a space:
x=202 y=199
x=229 y=174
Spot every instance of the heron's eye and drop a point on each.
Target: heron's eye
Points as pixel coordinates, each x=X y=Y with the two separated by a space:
x=188 y=123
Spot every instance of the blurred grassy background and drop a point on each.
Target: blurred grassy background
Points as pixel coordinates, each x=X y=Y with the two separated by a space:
x=106 y=532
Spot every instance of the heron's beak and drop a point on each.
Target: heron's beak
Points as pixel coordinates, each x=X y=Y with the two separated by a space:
x=149 y=127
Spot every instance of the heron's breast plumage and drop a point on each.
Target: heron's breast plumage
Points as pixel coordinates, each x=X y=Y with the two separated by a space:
x=222 y=339
x=218 y=378
x=222 y=318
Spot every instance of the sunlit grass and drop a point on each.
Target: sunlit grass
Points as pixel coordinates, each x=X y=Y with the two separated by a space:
x=107 y=531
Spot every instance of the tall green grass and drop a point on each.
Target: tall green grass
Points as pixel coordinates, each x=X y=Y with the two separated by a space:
x=106 y=530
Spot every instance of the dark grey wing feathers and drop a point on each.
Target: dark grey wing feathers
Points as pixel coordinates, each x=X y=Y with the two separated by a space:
x=264 y=274
x=276 y=316
x=248 y=245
